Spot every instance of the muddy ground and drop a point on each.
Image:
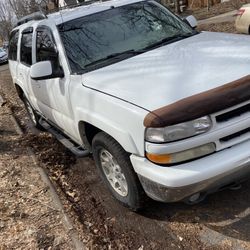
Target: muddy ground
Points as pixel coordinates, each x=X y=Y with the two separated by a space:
x=222 y=221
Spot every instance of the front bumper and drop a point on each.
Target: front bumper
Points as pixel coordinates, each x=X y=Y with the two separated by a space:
x=176 y=183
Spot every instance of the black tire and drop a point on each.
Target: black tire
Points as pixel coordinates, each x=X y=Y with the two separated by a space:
x=136 y=197
x=34 y=117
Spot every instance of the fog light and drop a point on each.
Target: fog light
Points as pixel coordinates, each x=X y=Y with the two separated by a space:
x=194 y=197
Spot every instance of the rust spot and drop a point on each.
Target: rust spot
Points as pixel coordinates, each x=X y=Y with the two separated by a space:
x=201 y=104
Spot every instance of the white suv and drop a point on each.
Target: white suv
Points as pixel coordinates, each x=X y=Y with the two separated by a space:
x=164 y=109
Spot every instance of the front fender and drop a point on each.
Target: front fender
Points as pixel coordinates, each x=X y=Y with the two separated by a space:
x=121 y=120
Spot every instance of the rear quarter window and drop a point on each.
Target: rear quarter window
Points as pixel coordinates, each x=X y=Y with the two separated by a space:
x=13 y=45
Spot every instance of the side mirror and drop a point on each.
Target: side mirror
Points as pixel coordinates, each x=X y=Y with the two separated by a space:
x=44 y=70
x=191 y=21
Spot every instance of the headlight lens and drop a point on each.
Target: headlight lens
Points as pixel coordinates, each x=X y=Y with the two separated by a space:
x=179 y=131
x=183 y=156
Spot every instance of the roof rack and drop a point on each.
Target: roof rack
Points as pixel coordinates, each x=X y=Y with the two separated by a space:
x=34 y=16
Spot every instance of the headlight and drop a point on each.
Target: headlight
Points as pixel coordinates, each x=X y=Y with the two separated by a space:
x=179 y=131
x=182 y=156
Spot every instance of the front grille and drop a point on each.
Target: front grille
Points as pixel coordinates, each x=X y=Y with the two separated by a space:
x=236 y=135
x=232 y=126
x=233 y=113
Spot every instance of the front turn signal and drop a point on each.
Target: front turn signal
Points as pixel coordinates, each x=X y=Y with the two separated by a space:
x=182 y=156
x=160 y=159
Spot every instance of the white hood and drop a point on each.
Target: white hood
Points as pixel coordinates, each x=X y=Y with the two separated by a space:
x=165 y=75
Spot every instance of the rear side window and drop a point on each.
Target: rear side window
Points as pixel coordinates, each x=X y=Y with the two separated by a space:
x=13 y=45
x=26 y=47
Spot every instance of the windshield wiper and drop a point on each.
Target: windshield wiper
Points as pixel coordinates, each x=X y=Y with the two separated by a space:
x=169 y=39
x=115 y=55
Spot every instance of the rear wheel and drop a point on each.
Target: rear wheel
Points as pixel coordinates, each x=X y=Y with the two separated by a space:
x=34 y=117
x=117 y=172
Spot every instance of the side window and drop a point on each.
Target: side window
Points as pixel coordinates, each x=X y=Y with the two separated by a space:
x=26 y=47
x=45 y=46
x=13 y=45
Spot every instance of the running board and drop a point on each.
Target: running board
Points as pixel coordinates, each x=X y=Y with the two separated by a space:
x=69 y=144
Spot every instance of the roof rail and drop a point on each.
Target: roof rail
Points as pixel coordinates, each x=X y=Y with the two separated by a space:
x=34 y=16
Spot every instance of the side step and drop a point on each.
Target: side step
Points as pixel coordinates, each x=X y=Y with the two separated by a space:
x=67 y=142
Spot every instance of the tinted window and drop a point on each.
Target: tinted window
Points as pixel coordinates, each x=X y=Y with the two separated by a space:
x=136 y=27
x=45 y=45
x=26 y=48
x=13 y=45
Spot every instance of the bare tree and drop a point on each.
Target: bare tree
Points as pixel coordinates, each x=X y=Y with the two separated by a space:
x=56 y=2
x=33 y=6
x=71 y=2
x=25 y=7
x=11 y=9
x=208 y=5
x=20 y=8
x=5 y=21
x=177 y=6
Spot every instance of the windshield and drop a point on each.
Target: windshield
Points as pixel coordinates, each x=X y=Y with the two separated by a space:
x=118 y=33
x=1 y=50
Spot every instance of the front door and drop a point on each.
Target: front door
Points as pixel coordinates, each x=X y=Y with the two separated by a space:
x=52 y=95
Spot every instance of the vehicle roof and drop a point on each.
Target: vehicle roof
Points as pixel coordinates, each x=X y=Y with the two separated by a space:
x=73 y=13
x=68 y=14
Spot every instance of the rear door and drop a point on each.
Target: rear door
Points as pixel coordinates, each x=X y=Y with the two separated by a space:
x=23 y=69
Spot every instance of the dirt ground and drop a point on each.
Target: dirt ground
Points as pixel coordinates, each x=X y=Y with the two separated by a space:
x=228 y=27
x=28 y=220
x=217 y=9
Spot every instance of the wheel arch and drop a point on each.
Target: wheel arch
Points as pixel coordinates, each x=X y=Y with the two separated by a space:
x=87 y=132
x=19 y=91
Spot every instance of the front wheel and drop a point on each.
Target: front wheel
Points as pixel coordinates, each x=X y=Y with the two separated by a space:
x=117 y=172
